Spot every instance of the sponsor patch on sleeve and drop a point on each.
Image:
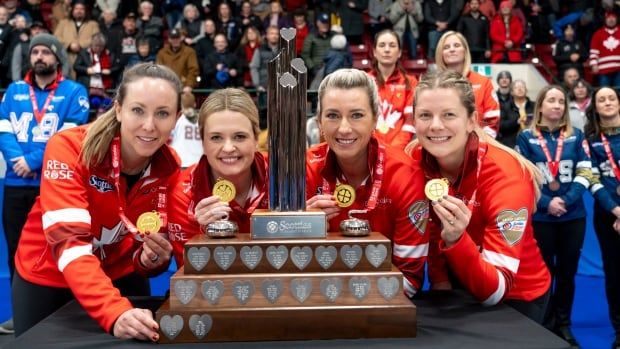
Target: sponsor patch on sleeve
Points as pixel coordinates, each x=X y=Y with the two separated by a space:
x=511 y=224
x=418 y=215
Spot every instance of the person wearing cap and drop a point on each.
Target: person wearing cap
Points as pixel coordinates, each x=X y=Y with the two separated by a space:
x=507 y=34
x=32 y=110
x=76 y=32
x=605 y=58
x=180 y=58
x=122 y=40
x=316 y=45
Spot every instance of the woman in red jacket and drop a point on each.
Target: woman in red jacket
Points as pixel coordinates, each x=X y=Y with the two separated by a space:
x=228 y=124
x=94 y=232
x=481 y=220
x=507 y=33
x=396 y=86
x=380 y=175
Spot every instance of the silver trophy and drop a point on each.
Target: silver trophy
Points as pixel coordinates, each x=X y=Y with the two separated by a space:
x=222 y=228
x=355 y=226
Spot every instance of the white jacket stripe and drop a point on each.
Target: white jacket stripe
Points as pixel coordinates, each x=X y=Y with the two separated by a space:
x=410 y=251
x=501 y=260
x=499 y=292
x=73 y=253
x=65 y=215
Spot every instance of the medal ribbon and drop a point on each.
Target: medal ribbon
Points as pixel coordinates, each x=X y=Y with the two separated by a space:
x=553 y=166
x=376 y=185
x=482 y=150
x=610 y=156
x=116 y=175
x=38 y=114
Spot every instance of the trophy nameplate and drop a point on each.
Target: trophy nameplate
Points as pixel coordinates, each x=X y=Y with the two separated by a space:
x=288 y=225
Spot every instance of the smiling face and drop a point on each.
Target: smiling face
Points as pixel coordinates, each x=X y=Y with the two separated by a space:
x=229 y=144
x=606 y=103
x=347 y=122
x=443 y=124
x=147 y=115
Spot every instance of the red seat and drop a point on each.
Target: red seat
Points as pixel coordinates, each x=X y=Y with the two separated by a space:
x=359 y=51
x=362 y=64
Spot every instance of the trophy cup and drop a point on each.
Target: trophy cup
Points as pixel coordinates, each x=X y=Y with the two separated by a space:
x=223 y=228
x=286 y=120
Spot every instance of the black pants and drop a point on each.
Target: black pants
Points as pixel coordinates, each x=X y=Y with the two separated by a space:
x=33 y=303
x=560 y=245
x=609 y=241
x=535 y=309
x=17 y=204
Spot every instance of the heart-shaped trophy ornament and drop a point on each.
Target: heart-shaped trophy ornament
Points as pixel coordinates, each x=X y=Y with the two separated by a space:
x=355 y=226
x=223 y=228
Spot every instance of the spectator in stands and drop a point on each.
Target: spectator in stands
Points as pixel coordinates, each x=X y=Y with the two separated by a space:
x=250 y=42
x=570 y=76
x=150 y=26
x=377 y=10
x=181 y=59
x=60 y=10
x=516 y=114
x=276 y=16
x=452 y=53
x=303 y=29
x=191 y=25
x=247 y=18
x=260 y=8
x=580 y=98
x=221 y=68
x=339 y=55
x=18 y=33
x=475 y=28
x=122 y=43
x=258 y=66
x=604 y=57
x=507 y=34
x=227 y=24
x=20 y=62
x=540 y=15
x=173 y=10
x=5 y=32
x=439 y=16
x=143 y=55
x=205 y=45
x=96 y=68
x=351 y=14
x=504 y=93
x=553 y=145
x=14 y=9
x=186 y=140
x=109 y=23
x=76 y=32
x=569 y=52
x=406 y=15
x=25 y=131
x=486 y=7
x=602 y=134
x=396 y=89
x=33 y=9
x=101 y=6
x=316 y=46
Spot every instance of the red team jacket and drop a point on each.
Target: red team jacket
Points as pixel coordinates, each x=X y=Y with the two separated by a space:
x=401 y=213
x=486 y=103
x=395 y=119
x=74 y=238
x=181 y=223
x=497 y=256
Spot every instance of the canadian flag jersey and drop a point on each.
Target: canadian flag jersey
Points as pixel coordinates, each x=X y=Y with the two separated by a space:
x=605 y=50
x=395 y=119
x=74 y=238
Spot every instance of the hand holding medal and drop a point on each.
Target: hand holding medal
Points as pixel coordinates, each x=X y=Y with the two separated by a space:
x=436 y=189
x=221 y=228
x=344 y=195
x=148 y=222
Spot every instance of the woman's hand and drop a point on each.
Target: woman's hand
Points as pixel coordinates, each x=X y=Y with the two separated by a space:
x=557 y=207
x=454 y=216
x=325 y=203
x=211 y=209
x=617 y=225
x=156 y=250
x=136 y=323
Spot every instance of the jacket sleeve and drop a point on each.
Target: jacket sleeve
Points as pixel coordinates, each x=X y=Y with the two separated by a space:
x=523 y=147
x=582 y=173
x=8 y=140
x=598 y=190
x=490 y=112
x=395 y=12
x=67 y=228
x=562 y=56
x=488 y=271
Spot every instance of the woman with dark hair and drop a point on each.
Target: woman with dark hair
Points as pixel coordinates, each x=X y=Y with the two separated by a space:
x=561 y=151
x=580 y=98
x=396 y=87
x=603 y=133
x=97 y=231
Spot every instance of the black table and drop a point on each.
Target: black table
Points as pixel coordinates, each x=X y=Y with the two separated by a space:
x=445 y=320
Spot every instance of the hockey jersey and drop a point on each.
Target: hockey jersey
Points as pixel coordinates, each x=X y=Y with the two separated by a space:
x=181 y=223
x=22 y=135
x=395 y=119
x=186 y=141
x=605 y=185
x=74 y=238
x=401 y=211
x=574 y=174
x=497 y=256
x=605 y=50
x=486 y=103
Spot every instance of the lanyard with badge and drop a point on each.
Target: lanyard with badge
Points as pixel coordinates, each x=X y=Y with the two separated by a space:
x=553 y=166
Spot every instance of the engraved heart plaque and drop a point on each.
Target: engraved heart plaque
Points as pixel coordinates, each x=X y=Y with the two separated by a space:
x=351 y=255
x=359 y=287
x=185 y=290
x=376 y=254
x=171 y=326
x=198 y=257
x=212 y=291
x=331 y=288
x=243 y=291
x=301 y=256
x=200 y=325
x=301 y=289
x=388 y=287
x=224 y=256
x=251 y=256
x=272 y=289
x=326 y=256
x=277 y=256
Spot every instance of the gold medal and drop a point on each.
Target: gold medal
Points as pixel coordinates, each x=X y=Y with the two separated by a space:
x=148 y=222
x=225 y=190
x=554 y=185
x=345 y=195
x=436 y=189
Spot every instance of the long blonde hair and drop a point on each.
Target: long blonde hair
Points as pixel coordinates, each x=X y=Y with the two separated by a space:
x=101 y=132
x=441 y=65
x=232 y=99
x=448 y=79
x=565 y=123
x=346 y=79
